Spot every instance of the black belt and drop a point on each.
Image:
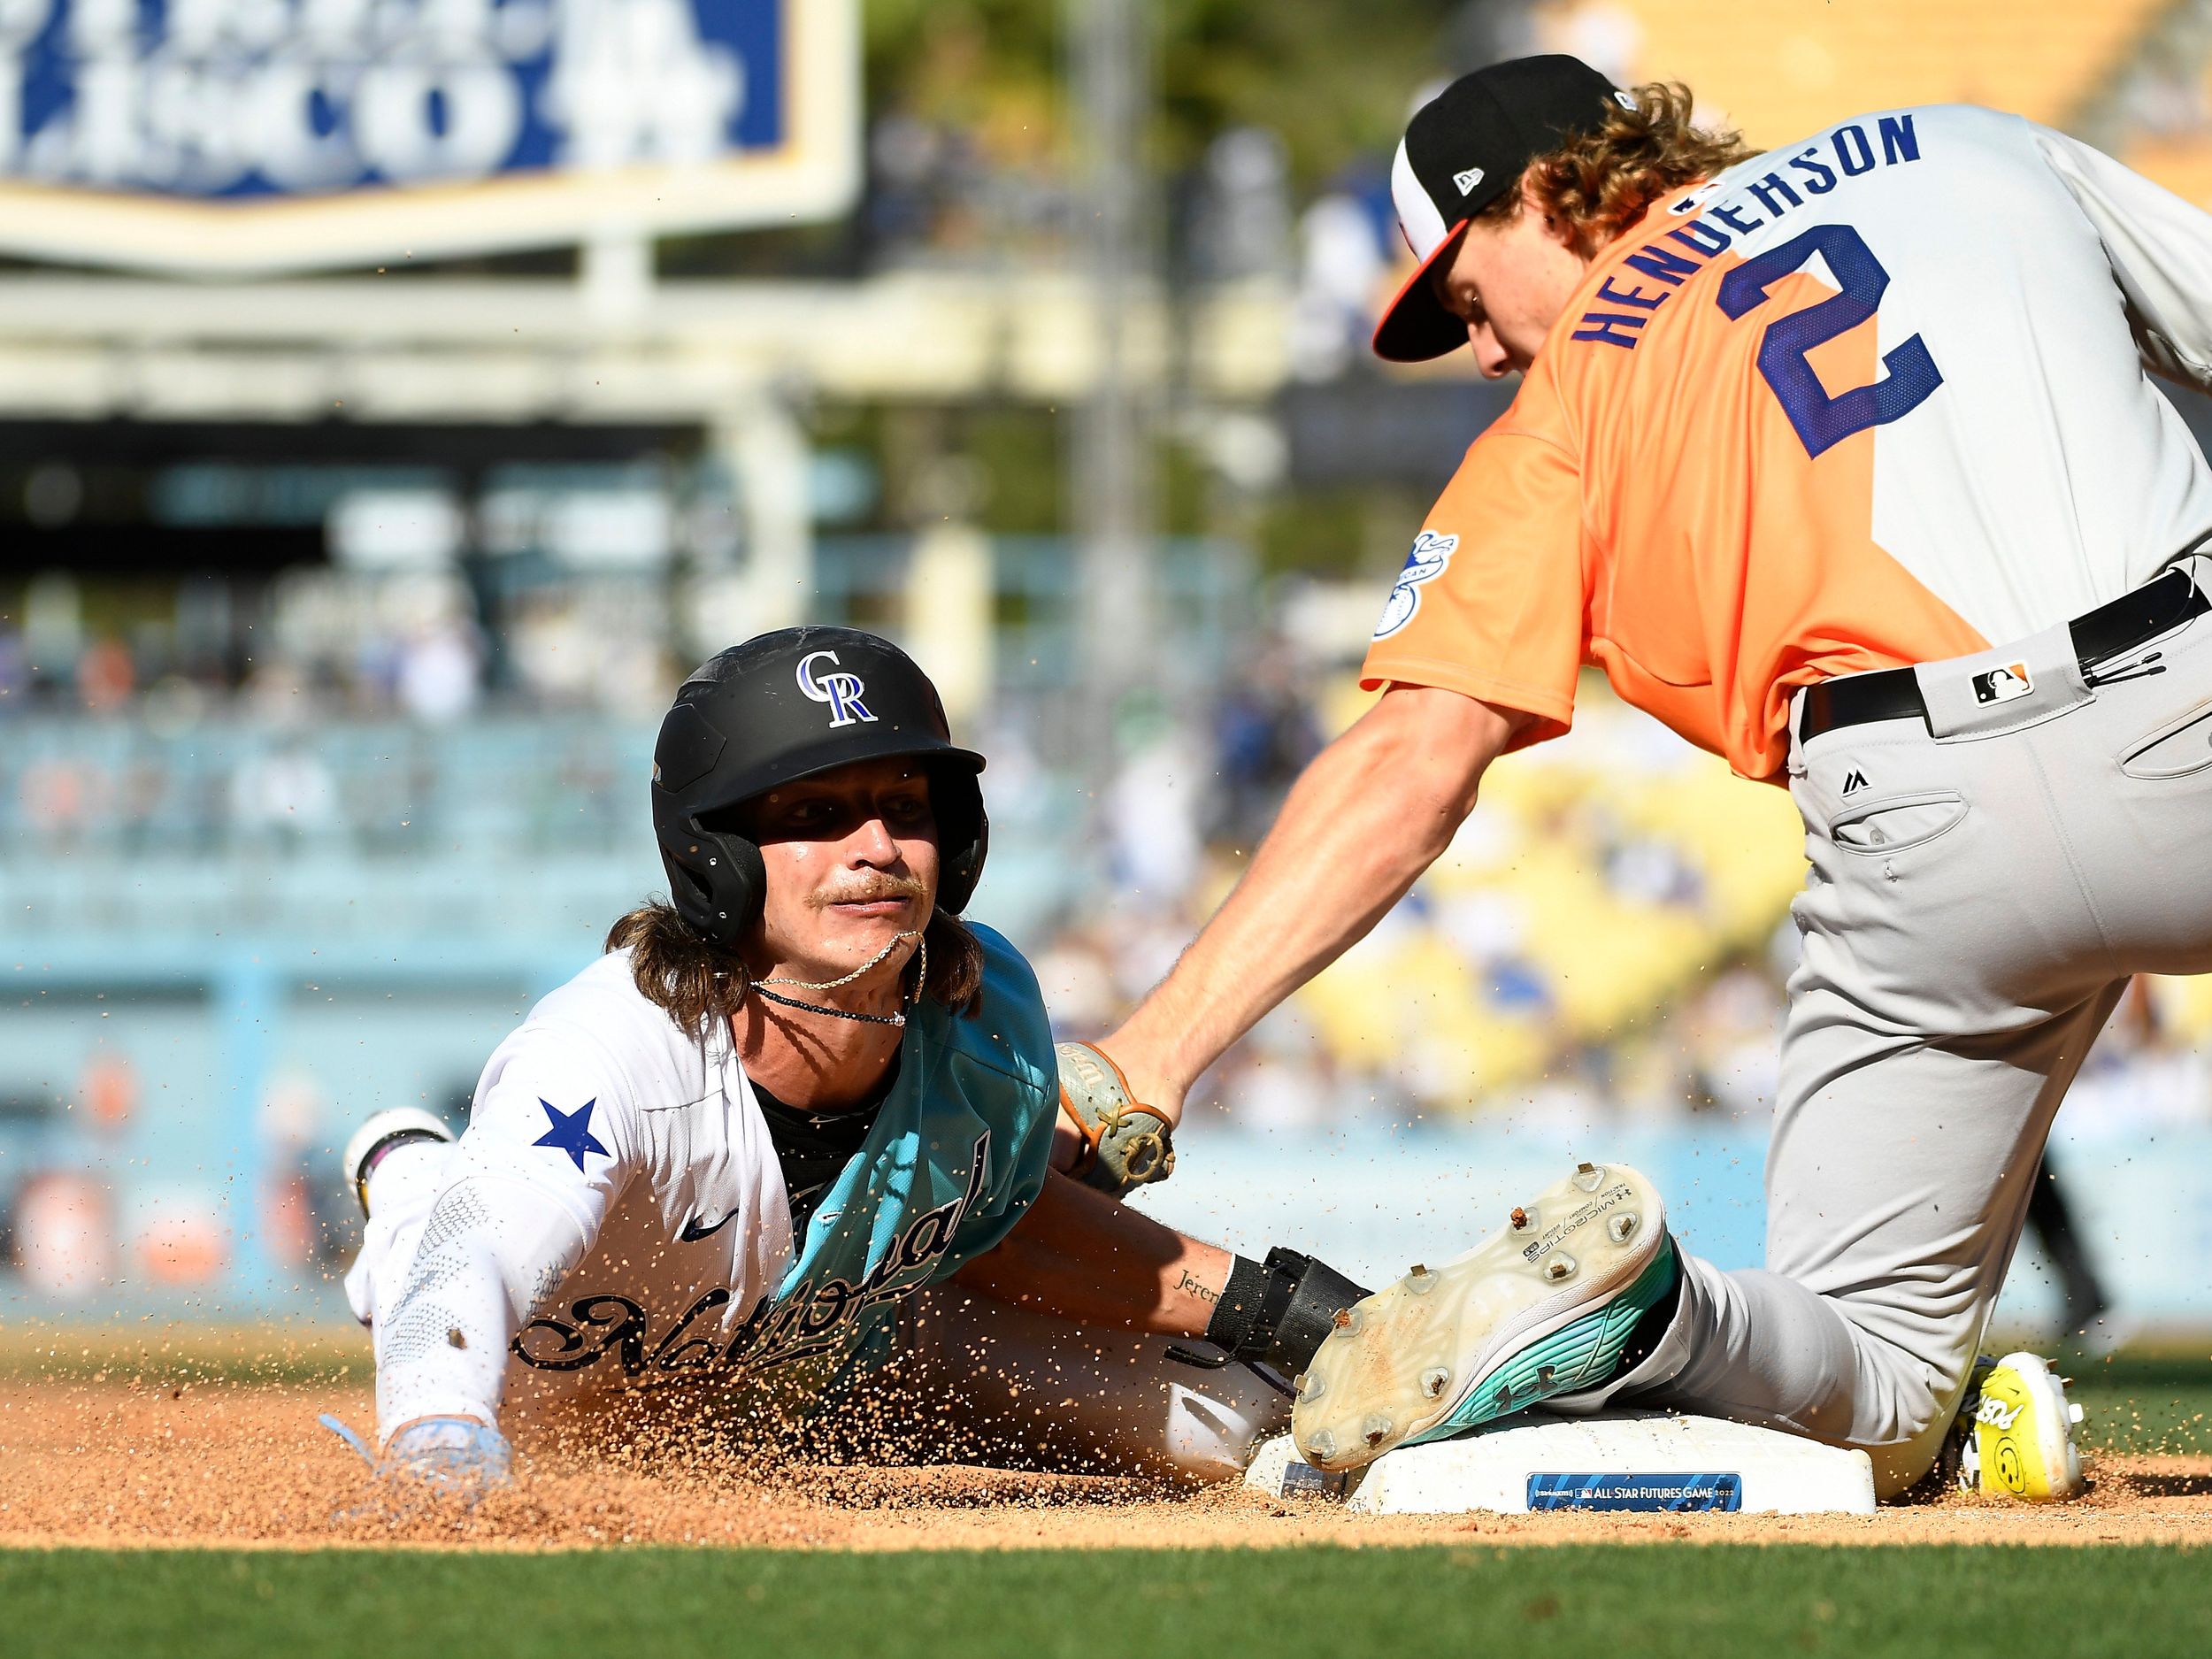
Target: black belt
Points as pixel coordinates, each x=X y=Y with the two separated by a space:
x=1893 y=693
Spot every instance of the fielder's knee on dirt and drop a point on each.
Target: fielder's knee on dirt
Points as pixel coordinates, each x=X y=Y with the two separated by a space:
x=1882 y=1371
x=1911 y=1391
x=1906 y=1375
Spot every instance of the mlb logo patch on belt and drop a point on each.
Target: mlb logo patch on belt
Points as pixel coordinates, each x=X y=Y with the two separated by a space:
x=2002 y=685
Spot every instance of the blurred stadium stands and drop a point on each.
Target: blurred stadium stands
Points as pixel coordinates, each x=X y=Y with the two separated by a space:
x=335 y=614
x=1796 y=66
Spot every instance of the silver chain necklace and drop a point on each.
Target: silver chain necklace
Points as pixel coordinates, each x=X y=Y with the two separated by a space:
x=921 y=945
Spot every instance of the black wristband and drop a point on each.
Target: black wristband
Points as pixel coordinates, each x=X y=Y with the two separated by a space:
x=1296 y=1329
x=1277 y=1313
x=1231 y=1323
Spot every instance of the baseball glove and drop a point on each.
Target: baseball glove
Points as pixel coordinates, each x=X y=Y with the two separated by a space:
x=1126 y=1143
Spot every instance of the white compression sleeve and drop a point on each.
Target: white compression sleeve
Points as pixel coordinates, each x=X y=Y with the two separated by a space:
x=491 y=1247
x=551 y=1146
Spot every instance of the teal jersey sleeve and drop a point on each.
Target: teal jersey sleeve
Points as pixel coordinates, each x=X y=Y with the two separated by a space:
x=999 y=1065
x=957 y=1153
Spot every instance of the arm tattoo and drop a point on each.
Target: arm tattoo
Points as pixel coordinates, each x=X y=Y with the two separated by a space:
x=1195 y=1288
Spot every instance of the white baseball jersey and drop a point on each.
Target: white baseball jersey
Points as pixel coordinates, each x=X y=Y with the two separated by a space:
x=616 y=1214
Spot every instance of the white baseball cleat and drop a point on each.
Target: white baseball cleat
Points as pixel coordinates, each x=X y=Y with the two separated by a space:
x=1541 y=1310
x=400 y=1122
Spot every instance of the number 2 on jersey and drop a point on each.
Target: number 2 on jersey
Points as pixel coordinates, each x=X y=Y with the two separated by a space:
x=1822 y=421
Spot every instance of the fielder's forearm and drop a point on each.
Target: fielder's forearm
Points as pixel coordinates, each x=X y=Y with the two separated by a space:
x=1373 y=810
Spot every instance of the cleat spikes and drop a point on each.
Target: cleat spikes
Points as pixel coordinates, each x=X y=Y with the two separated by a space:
x=1525 y=1315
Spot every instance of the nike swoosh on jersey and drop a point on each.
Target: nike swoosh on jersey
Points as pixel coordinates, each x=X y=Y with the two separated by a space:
x=692 y=1232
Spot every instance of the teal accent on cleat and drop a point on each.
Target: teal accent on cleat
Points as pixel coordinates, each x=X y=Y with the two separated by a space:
x=1576 y=1356
x=1543 y=1307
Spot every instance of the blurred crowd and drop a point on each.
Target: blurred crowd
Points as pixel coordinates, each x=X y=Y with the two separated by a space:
x=1608 y=940
x=1571 y=958
x=318 y=643
x=1608 y=936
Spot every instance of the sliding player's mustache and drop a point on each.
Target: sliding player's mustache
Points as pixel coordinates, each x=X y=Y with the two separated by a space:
x=870 y=892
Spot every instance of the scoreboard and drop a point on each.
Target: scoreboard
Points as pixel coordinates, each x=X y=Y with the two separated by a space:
x=258 y=137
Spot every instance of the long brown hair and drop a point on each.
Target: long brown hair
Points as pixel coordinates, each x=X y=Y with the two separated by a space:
x=698 y=984
x=1599 y=184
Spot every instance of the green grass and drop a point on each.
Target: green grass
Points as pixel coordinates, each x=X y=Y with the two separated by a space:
x=184 y=1353
x=2145 y=1402
x=1628 y=1600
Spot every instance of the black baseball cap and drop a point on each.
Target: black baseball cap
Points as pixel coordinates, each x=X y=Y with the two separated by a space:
x=1464 y=148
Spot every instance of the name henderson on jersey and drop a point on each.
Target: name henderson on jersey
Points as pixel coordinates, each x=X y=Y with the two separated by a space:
x=1703 y=237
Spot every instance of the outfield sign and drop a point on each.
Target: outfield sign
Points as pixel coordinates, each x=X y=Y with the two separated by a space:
x=243 y=136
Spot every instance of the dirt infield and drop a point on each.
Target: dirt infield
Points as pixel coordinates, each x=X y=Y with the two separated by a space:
x=163 y=1460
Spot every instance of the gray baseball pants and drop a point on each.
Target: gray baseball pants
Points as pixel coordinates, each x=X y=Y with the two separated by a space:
x=1980 y=893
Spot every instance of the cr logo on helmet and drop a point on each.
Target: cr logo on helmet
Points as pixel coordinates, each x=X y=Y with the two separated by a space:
x=841 y=690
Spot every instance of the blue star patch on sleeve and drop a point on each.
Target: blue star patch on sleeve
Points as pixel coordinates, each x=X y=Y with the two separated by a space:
x=571 y=1132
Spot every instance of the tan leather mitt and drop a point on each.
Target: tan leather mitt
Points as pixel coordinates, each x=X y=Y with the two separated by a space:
x=1126 y=1143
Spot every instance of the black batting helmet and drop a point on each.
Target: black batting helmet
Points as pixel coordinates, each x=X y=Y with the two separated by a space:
x=787 y=706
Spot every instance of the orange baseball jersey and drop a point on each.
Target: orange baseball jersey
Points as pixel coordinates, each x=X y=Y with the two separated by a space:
x=1871 y=399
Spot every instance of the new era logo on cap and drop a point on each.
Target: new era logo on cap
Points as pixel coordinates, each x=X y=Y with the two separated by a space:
x=1464 y=150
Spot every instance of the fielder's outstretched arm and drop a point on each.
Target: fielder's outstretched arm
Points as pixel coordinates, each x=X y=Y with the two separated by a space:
x=1373 y=810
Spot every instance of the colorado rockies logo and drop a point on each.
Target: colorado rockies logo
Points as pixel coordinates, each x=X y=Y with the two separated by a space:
x=841 y=690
